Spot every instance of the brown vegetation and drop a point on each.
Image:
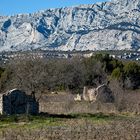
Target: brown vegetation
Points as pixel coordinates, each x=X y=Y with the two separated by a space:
x=41 y=76
x=75 y=127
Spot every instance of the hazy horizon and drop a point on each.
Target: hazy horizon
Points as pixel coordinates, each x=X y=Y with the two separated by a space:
x=13 y=7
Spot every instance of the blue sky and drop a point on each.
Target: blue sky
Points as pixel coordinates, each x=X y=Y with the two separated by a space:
x=10 y=7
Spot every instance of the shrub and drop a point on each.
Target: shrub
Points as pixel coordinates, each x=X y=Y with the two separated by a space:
x=116 y=74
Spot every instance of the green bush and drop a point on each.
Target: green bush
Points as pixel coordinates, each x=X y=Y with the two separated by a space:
x=131 y=68
x=132 y=75
x=116 y=74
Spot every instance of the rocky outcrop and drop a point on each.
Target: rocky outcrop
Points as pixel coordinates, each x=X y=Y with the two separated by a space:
x=111 y=25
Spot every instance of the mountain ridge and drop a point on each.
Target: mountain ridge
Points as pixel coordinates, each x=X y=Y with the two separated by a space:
x=112 y=25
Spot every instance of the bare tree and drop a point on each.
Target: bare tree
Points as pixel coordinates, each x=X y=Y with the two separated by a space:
x=26 y=73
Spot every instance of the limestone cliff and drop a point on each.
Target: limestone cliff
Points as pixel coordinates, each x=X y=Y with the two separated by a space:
x=111 y=25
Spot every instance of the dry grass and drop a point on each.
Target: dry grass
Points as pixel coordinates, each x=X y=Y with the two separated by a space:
x=70 y=127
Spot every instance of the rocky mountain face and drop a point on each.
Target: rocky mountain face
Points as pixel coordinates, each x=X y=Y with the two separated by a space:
x=111 y=25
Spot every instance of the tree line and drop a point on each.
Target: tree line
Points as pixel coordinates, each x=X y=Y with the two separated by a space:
x=37 y=75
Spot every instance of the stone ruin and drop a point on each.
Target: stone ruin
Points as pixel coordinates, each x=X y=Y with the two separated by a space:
x=101 y=93
x=18 y=102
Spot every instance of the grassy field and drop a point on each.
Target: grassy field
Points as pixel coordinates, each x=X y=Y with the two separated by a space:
x=60 y=120
x=70 y=127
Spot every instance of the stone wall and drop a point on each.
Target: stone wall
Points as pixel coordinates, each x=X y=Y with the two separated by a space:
x=100 y=93
x=17 y=102
x=1 y=104
x=76 y=107
x=64 y=103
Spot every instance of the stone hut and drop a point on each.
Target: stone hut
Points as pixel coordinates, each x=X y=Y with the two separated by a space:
x=101 y=93
x=89 y=93
x=17 y=102
x=104 y=94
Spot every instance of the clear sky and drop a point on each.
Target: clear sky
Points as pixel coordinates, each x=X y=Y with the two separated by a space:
x=10 y=7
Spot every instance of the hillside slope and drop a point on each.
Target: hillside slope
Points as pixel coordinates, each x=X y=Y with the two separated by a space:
x=111 y=25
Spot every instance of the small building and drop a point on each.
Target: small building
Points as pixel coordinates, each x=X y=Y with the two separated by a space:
x=18 y=102
x=101 y=93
